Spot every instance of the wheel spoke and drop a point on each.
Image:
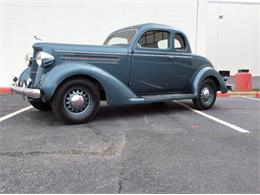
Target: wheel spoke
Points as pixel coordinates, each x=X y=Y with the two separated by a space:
x=77 y=100
x=206 y=94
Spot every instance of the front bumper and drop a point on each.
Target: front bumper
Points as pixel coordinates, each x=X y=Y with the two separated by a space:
x=28 y=92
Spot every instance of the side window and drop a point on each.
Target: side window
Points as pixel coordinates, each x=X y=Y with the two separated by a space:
x=154 y=39
x=118 y=40
x=179 y=42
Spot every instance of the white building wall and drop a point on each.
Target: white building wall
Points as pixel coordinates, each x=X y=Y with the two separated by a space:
x=233 y=41
x=230 y=43
x=258 y=42
x=87 y=22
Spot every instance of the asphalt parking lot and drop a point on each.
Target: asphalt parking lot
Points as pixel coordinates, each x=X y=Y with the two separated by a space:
x=157 y=148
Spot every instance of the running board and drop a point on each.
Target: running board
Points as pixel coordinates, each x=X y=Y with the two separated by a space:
x=166 y=97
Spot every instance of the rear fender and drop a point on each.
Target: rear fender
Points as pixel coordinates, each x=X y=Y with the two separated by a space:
x=116 y=91
x=204 y=73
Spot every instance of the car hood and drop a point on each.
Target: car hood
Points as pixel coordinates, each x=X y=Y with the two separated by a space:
x=78 y=48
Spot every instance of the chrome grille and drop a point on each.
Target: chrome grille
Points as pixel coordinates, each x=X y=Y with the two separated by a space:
x=34 y=66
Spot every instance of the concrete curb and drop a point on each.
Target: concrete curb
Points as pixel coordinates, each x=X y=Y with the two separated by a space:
x=5 y=90
x=236 y=93
x=257 y=95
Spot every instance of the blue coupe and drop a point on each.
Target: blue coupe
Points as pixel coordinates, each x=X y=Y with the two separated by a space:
x=138 y=64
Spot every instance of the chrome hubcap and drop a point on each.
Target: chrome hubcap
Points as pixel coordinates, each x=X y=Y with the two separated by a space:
x=206 y=93
x=77 y=100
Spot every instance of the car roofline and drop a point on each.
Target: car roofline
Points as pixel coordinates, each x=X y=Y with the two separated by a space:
x=148 y=26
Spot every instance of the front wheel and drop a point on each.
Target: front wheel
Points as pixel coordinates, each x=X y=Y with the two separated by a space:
x=206 y=96
x=76 y=101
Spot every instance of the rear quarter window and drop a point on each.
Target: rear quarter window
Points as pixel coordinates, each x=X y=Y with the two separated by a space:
x=179 y=42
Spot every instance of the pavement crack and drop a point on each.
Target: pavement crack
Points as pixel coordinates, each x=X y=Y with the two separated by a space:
x=122 y=171
x=108 y=151
x=121 y=179
x=97 y=131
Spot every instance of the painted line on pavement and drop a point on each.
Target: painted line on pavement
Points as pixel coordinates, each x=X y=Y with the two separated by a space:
x=15 y=113
x=236 y=128
x=251 y=98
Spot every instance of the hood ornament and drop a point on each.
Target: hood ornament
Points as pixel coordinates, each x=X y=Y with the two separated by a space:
x=37 y=38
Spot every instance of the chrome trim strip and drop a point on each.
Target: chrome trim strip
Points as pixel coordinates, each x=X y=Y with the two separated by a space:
x=158 y=51
x=153 y=55
x=92 y=60
x=88 y=55
x=167 y=56
x=98 y=53
x=189 y=57
x=123 y=54
x=105 y=62
x=95 y=62
x=87 y=58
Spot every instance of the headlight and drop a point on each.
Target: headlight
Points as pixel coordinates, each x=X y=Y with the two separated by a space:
x=28 y=59
x=44 y=59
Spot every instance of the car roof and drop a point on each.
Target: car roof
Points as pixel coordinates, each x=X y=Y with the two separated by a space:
x=150 y=25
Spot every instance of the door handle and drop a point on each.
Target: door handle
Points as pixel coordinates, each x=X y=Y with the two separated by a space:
x=171 y=56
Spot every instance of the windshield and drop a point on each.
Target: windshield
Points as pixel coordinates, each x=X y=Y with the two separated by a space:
x=121 y=38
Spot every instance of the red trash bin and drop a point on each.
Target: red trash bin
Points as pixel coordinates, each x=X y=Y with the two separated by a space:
x=243 y=80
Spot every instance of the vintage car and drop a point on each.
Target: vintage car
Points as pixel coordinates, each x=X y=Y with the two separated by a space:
x=139 y=64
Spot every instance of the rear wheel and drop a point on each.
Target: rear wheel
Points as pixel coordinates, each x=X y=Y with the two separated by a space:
x=42 y=106
x=76 y=101
x=206 y=96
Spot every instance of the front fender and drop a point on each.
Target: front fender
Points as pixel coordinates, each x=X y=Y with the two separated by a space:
x=204 y=73
x=24 y=75
x=116 y=91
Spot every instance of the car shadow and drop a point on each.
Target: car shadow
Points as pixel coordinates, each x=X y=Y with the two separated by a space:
x=109 y=112
x=112 y=112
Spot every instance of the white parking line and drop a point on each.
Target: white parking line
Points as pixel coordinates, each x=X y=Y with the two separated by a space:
x=251 y=98
x=15 y=113
x=241 y=130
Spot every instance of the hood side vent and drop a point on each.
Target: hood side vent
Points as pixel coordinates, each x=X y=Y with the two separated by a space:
x=91 y=58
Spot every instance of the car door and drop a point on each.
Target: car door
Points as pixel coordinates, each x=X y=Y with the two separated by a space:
x=183 y=69
x=151 y=69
